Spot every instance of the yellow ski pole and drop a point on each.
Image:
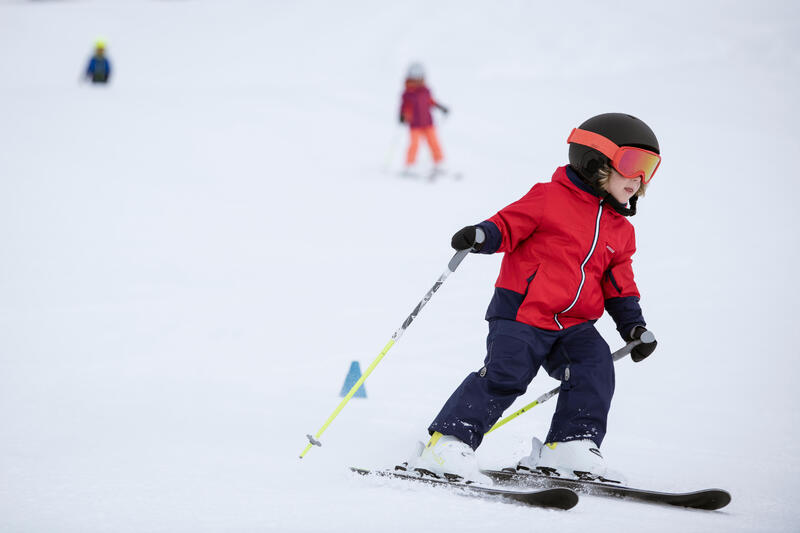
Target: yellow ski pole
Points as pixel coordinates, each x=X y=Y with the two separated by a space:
x=313 y=440
x=647 y=337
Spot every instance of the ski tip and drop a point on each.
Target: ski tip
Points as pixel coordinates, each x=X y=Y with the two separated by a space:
x=713 y=499
x=560 y=498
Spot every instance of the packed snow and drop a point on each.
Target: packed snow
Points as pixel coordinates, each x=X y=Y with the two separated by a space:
x=193 y=256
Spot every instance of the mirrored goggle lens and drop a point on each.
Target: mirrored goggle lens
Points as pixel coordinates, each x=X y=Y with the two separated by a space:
x=634 y=162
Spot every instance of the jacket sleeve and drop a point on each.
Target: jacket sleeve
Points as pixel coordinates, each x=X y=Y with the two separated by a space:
x=621 y=294
x=406 y=111
x=514 y=223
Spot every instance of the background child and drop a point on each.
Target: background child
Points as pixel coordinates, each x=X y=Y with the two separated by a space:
x=99 y=68
x=415 y=110
x=568 y=249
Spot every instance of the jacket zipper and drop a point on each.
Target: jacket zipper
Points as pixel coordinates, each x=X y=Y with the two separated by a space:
x=586 y=260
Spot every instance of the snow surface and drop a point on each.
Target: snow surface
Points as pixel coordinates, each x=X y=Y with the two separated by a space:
x=193 y=256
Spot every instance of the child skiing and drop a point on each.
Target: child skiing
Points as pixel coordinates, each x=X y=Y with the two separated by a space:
x=99 y=68
x=415 y=110
x=568 y=248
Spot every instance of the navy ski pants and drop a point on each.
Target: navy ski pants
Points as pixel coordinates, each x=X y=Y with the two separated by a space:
x=578 y=356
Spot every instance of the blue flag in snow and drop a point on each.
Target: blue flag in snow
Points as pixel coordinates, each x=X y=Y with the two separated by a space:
x=353 y=375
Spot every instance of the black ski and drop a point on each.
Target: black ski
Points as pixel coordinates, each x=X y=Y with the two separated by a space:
x=709 y=499
x=557 y=497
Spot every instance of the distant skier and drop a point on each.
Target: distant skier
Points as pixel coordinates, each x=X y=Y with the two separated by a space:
x=568 y=248
x=415 y=110
x=99 y=67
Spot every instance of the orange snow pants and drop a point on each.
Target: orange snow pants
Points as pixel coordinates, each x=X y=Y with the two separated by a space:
x=429 y=133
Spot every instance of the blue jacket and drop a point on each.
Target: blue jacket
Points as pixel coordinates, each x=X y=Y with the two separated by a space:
x=99 y=69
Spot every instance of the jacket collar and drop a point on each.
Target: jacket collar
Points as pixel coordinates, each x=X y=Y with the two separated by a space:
x=570 y=179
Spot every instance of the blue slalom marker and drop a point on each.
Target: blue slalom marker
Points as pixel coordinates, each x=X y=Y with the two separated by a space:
x=353 y=375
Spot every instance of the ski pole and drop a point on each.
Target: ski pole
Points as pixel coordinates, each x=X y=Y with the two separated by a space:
x=647 y=337
x=451 y=267
x=387 y=161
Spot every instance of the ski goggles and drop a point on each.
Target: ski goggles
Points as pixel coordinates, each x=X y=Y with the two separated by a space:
x=629 y=161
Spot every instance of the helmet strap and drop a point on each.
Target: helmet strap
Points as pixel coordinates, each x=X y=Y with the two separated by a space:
x=619 y=207
x=591 y=181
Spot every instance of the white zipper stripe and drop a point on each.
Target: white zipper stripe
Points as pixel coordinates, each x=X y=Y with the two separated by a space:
x=583 y=273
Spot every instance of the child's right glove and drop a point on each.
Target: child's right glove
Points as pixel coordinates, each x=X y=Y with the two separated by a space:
x=641 y=351
x=469 y=237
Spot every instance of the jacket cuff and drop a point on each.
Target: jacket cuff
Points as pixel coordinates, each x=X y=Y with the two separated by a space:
x=627 y=314
x=493 y=238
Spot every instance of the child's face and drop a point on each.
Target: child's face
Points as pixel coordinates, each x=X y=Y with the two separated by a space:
x=622 y=189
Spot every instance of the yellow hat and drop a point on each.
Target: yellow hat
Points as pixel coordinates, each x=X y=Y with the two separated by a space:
x=100 y=44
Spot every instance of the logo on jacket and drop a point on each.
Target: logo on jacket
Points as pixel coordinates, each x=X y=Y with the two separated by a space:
x=610 y=249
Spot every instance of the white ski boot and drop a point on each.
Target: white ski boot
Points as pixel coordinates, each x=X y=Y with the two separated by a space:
x=581 y=458
x=577 y=457
x=446 y=456
x=436 y=171
x=529 y=462
x=409 y=171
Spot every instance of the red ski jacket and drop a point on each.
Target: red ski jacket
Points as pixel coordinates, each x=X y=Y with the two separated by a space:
x=416 y=105
x=567 y=257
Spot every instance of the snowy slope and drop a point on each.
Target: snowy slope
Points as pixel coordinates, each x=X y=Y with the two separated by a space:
x=192 y=257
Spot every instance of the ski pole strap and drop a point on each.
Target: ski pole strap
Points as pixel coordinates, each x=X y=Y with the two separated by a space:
x=616 y=356
x=451 y=267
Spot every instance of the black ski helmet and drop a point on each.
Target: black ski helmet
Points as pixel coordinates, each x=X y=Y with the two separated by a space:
x=620 y=128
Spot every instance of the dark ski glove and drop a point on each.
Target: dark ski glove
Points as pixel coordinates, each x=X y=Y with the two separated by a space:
x=641 y=351
x=464 y=239
x=443 y=109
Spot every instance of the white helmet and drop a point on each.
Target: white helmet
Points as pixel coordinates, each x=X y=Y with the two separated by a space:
x=416 y=71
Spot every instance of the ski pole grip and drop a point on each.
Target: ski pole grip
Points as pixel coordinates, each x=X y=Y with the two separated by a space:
x=456 y=260
x=647 y=337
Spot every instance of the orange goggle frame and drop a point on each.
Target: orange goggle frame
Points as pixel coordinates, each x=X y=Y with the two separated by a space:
x=629 y=161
